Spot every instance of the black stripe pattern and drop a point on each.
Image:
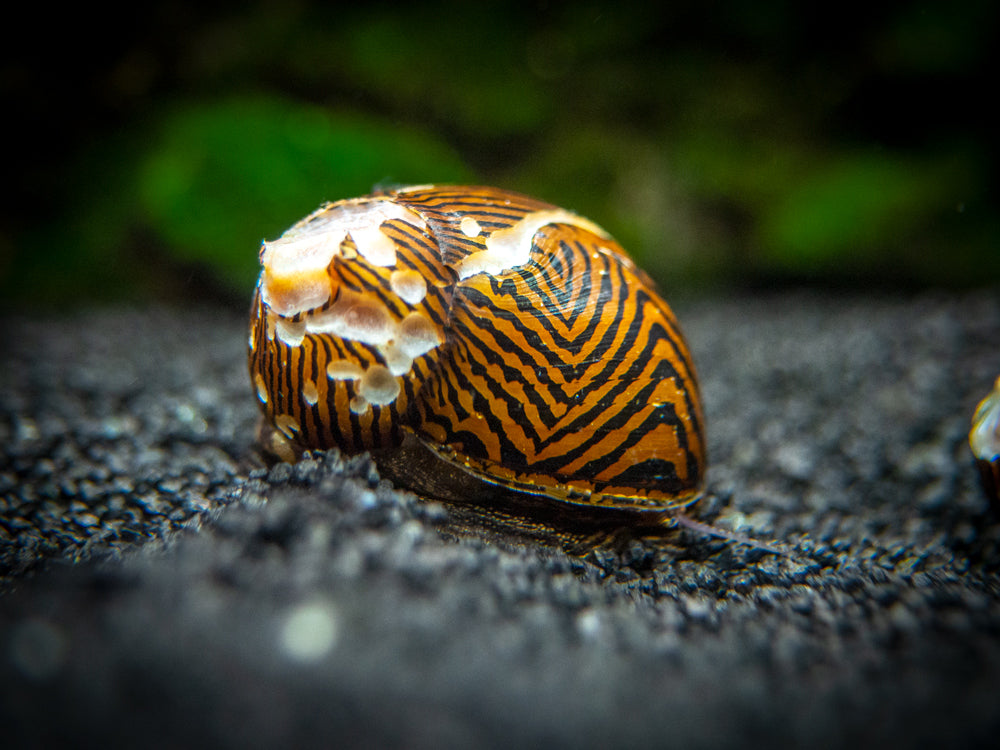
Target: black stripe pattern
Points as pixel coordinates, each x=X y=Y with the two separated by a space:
x=516 y=338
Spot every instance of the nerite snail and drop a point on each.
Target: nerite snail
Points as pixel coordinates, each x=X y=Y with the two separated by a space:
x=486 y=346
x=984 y=439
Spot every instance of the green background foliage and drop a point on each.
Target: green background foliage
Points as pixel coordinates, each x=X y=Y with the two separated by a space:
x=736 y=143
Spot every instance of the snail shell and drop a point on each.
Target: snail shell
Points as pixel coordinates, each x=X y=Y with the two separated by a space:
x=483 y=344
x=984 y=439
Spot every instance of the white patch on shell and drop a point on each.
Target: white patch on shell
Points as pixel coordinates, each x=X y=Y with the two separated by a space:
x=511 y=247
x=290 y=332
x=378 y=386
x=258 y=381
x=356 y=318
x=470 y=227
x=409 y=286
x=295 y=265
x=398 y=361
x=368 y=322
x=343 y=369
x=417 y=335
x=287 y=424
x=310 y=393
x=377 y=248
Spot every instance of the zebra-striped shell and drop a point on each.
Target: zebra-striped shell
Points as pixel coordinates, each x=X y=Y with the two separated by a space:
x=477 y=340
x=984 y=439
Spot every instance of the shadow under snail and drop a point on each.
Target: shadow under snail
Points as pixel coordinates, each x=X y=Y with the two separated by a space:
x=488 y=349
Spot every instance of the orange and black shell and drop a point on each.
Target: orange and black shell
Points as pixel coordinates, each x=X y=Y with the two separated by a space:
x=477 y=340
x=984 y=439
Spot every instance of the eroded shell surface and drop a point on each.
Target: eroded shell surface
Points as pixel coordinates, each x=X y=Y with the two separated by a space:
x=507 y=341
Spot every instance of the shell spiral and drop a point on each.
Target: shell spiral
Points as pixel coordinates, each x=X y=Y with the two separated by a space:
x=511 y=338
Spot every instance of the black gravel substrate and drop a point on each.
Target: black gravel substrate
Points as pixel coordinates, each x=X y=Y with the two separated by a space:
x=161 y=589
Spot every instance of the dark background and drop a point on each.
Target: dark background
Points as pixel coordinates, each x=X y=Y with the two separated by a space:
x=730 y=144
x=815 y=190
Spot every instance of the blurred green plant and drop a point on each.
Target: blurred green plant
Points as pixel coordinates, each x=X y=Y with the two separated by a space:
x=185 y=200
x=848 y=207
x=223 y=177
x=742 y=144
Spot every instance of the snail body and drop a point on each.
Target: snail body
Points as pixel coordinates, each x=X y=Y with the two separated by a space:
x=482 y=344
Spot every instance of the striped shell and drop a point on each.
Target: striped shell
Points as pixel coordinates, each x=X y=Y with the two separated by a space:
x=477 y=341
x=984 y=439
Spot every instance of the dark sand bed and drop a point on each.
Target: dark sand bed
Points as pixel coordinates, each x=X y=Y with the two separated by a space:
x=160 y=589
